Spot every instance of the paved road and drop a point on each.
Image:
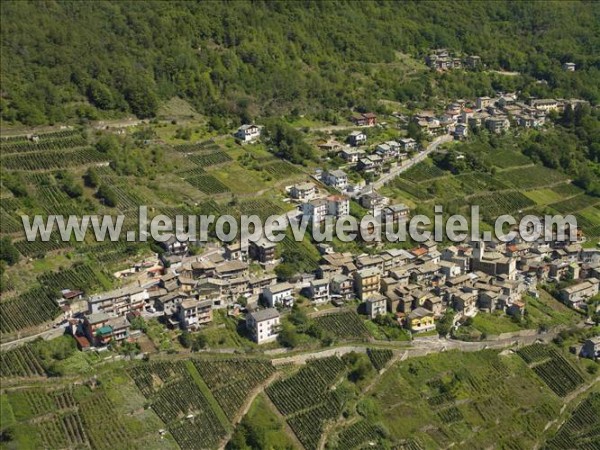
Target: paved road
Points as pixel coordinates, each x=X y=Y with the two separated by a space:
x=417 y=159
x=46 y=335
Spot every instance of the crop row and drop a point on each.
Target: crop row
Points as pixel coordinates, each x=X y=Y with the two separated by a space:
x=210 y=159
x=104 y=428
x=534 y=352
x=38 y=249
x=422 y=172
x=62 y=431
x=308 y=425
x=307 y=387
x=52 y=159
x=20 y=362
x=208 y=184
x=531 y=177
x=79 y=276
x=345 y=325
x=263 y=208
x=419 y=191
x=499 y=203
x=574 y=204
x=379 y=358
x=190 y=148
x=505 y=159
x=358 y=434
x=9 y=223
x=280 y=169
x=150 y=377
x=559 y=375
x=44 y=145
x=231 y=380
x=582 y=430
x=42 y=136
x=29 y=309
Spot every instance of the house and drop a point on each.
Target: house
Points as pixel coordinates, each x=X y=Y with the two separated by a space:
x=118 y=302
x=370 y=163
x=591 y=348
x=236 y=251
x=338 y=205
x=231 y=269
x=364 y=119
x=330 y=145
x=303 y=191
x=315 y=210
x=263 y=325
x=375 y=305
x=263 y=251
x=342 y=286
x=545 y=104
x=248 y=133
x=373 y=201
x=576 y=295
x=279 y=295
x=168 y=303
x=193 y=313
x=175 y=244
x=336 y=178
x=351 y=155
x=497 y=124
x=357 y=138
x=421 y=320
x=484 y=102
x=434 y=304
x=568 y=67
x=367 y=282
x=318 y=291
x=394 y=214
x=408 y=144
x=461 y=131
x=473 y=61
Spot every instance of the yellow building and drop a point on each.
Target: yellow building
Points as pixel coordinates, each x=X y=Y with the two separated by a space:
x=367 y=282
x=421 y=319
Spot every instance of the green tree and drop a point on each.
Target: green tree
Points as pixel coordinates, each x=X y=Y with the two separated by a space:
x=8 y=252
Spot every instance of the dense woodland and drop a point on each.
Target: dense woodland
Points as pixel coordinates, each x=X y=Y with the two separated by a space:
x=65 y=60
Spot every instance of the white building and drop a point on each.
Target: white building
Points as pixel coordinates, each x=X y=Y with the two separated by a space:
x=338 y=205
x=336 y=178
x=315 y=210
x=279 y=295
x=319 y=291
x=303 y=191
x=118 y=302
x=408 y=144
x=248 y=133
x=263 y=325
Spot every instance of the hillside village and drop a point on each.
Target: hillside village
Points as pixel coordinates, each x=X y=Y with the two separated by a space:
x=416 y=287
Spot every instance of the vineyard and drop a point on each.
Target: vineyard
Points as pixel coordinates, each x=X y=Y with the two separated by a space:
x=379 y=358
x=422 y=172
x=80 y=276
x=507 y=159
x=531 y=177
x=59 y=143
x=207 y=184
x=37 y=249
x=230 y=380
x=566 y=190
x=20 y=362
x=499 y=203
x=306 y=400
x=280 y=169
x=40 y=306
x=52 y=159
x=418 y=191
x=345 y=325
x=358 y=435
x=574 y=204
x=552 y=368
x=105 y=429
x=178 y=401
x=210 y=159
x=190 y=148
x=582 y=430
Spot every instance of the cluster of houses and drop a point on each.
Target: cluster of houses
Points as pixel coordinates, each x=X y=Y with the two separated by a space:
x=441 y=59
x=496 y=114
x=416 y=286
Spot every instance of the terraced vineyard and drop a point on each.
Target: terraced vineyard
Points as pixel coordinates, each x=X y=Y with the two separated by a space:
x=379 y=358
x=52 y=159
x=582 y=430
x=210 y=159
x=423 y=171
x=40 y=306
x=178 y=401
x=575 y=204
x=305 y=398
x=531 y=177
x=47 y=144
x=358 y=435
x=552 y=368
x=230 y=380
x=505 y=159
x=20 y=362
x=345 y=325
x=499 y=203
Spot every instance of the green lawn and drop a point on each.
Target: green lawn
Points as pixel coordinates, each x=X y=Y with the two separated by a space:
x=544 y=196
x=494 y=323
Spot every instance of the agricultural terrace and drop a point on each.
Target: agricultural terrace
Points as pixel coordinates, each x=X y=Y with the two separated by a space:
x=345 y=325
x=582 y=429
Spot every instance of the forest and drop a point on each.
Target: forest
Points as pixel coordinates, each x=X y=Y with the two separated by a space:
x=64 y=60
